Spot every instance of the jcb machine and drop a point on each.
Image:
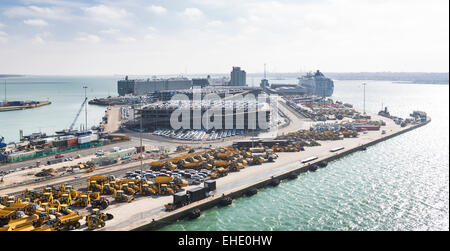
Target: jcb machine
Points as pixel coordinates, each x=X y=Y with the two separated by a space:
x=146 y=189
x=22 y=222
x=166 y=185
x=184 y=164
x=82 y=201
x=70 y=221
x=97 y=219
x=94 y=221
x=120 y=196
x=220 y=172
x=158 y=165
x=108 y=188
x=32 y=195
x=65 y=199
x=101 y=203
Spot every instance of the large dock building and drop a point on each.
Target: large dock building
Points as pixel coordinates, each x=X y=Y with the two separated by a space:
x=238 y=77
x=139 y=87
x=237 y=116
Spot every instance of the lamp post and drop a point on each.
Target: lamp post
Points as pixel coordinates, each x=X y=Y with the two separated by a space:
x=364 y=86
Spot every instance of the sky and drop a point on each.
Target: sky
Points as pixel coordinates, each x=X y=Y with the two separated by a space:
x=105 y=37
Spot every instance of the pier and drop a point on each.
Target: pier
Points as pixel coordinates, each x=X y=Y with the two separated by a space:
x=26 y=105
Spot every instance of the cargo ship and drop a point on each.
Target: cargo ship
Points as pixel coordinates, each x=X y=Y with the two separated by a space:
x=21 y=105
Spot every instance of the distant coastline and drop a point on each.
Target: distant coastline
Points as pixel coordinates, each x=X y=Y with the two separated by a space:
x=10 y=75
x=395 y=77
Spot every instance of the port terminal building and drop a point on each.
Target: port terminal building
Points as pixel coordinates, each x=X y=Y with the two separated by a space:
x=139 y=87
x=243 y=115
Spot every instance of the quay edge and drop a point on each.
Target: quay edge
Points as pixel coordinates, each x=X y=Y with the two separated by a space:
x=172 y=217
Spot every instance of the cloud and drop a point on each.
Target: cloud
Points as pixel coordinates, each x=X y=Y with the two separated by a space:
x=110 y=31
x=333 y=35
x=157 y=9
x=193 y=13
x=103 y=13
x=38 y=40
x=215 y=23
x=152 y=33
x=2 y=25
x=33 y=11
x=36 y=22
x=90 y=38
x=3 y=37
x=126 y=39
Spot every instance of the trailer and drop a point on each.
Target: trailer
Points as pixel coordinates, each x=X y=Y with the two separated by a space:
x=309 y=160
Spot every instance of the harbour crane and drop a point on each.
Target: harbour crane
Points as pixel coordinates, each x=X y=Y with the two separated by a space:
x=76 y=117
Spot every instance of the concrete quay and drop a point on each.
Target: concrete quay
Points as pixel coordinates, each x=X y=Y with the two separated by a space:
x=149 y=214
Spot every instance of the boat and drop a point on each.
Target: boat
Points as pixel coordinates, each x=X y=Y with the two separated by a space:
x=317 y=84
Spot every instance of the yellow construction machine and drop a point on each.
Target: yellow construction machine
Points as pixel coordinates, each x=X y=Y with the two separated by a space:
x=70 y=221
x=94 y=220
x=184 y=164
x=146 y=189
x=82 y=201
x=23 y=222
x=220 y=172
x=65 y=199
x=120 y=196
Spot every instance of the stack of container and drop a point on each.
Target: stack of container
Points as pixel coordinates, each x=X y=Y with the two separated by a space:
x=85 y=141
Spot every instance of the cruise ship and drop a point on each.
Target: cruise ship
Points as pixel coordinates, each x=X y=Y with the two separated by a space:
x=317 y=84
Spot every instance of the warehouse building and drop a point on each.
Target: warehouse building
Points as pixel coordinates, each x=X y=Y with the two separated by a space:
x=237 y=116
x=139 y=87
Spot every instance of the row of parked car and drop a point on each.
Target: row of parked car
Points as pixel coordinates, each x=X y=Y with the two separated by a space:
x=192 y=135
x=193 y=176
x=198 y=135
x=225 y=134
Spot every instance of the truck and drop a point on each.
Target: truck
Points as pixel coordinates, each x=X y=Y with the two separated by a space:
x=193 y=195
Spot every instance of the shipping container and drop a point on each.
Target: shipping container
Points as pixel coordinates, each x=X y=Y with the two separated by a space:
x=72 y=142
x=197 y=194
x=140 y=149
x=180 y=199
x=94 y=137
x=84 y=140
x=85 y=145
x=210 y=185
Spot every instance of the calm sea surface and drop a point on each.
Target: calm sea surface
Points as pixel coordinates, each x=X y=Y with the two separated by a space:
x=66 y=95
x=400 y=184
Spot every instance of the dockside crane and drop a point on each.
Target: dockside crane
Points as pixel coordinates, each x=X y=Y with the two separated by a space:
x=76 y=117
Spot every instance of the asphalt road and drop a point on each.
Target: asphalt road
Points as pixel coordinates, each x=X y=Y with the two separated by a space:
x=86 y=152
